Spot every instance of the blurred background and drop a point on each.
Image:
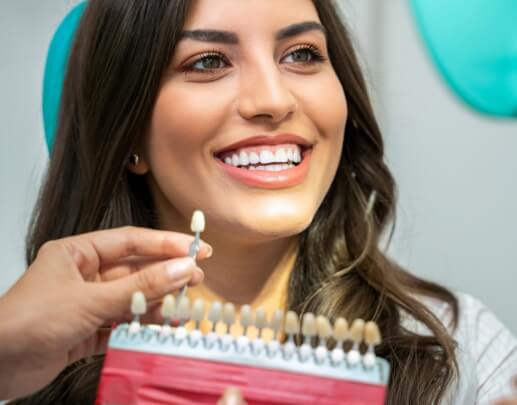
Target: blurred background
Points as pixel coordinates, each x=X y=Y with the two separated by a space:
x=455 y=168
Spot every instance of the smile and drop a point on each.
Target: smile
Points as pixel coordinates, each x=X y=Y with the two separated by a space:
x=271 y=163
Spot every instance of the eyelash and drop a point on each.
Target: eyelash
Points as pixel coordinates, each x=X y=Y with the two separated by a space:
x=316 y=57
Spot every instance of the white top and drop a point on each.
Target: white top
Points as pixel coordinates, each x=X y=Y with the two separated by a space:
x=486 y=354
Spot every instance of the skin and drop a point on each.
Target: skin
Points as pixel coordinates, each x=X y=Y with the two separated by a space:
x=198 y=113
x=54 y=314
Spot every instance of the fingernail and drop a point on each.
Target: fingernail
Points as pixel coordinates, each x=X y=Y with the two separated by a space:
x=209 y=250
x=199 y=275
x=179 y=267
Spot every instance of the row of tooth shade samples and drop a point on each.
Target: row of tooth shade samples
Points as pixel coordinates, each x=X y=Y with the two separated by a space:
x=304 y=340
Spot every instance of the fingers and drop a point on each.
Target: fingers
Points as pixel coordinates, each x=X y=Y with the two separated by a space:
x=92 y=250
x=155 y=281
x=232 y=396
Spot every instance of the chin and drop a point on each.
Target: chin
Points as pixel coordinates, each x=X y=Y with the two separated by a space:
x=276 y=227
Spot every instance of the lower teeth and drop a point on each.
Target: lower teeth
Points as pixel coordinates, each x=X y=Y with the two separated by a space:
x=270 y=168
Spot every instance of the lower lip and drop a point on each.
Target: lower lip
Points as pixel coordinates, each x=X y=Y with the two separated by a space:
x=271 y=180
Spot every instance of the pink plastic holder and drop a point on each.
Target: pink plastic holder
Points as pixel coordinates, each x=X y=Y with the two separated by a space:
x=142 y=378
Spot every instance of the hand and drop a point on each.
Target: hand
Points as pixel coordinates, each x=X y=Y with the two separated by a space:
x=51 y=317
x=232 y=396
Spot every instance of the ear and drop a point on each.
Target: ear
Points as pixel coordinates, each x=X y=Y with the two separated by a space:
x=137 y=164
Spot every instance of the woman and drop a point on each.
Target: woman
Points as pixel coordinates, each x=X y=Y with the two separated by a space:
x=255 y=112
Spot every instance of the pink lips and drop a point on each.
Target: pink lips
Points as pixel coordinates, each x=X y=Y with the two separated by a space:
x=267 y=140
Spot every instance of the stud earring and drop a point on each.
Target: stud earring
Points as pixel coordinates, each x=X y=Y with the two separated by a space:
x=134 y=159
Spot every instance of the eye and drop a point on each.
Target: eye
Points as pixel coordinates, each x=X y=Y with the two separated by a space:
x=207 y=63
x=304 y=54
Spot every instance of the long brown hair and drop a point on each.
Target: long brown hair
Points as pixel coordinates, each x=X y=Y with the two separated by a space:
x=120 y=54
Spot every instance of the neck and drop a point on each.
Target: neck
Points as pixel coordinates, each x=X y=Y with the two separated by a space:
x=240 y=273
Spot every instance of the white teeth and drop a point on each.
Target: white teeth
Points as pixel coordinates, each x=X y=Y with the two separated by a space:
x=272 y=168
x=254 y=158
x=266 y=157
x=297 y=157
x=281 y=156
x=244 y=160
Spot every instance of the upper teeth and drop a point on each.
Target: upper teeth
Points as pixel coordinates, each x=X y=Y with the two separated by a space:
x=264 y=157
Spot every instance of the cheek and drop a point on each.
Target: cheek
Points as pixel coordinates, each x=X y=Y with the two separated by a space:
x=325 y=104
x=184 y=118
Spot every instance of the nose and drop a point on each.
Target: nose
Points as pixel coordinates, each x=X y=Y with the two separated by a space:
x=264 y=95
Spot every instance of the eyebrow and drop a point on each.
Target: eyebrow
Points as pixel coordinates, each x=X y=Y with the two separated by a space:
x=231 y=38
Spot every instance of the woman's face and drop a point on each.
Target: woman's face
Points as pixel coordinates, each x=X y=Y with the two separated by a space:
x=249 y=122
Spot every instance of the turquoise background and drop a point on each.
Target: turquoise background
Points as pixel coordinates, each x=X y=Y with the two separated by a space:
x=55 y=69
x=474 y=45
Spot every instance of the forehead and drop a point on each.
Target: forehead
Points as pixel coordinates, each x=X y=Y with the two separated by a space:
x=249 y=15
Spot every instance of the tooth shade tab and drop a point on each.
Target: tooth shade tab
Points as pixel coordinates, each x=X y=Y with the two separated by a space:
x=184 y=308
x=276 y=321
x=324 y=327
x=246 y=318
x=198 y=221
x=138 y=303
x=309 y=328
x=356 y=333
x=229 y=314
x=260 y=318
x=198 y=310
x=168 y=306
x=340 y=329
x=216 y=310
x=292 y=324
x=372 y=334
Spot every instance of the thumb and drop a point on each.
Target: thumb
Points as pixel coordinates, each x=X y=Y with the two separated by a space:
x=154 y=281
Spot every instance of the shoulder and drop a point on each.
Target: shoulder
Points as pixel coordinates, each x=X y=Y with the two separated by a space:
x=485 y=345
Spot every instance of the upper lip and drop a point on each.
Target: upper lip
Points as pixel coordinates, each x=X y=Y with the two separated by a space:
x=258 y=140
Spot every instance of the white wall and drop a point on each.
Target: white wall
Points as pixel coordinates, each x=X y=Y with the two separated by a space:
x=456 y=217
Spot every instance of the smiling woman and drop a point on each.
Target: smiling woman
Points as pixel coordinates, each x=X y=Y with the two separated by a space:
x=256 y=113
